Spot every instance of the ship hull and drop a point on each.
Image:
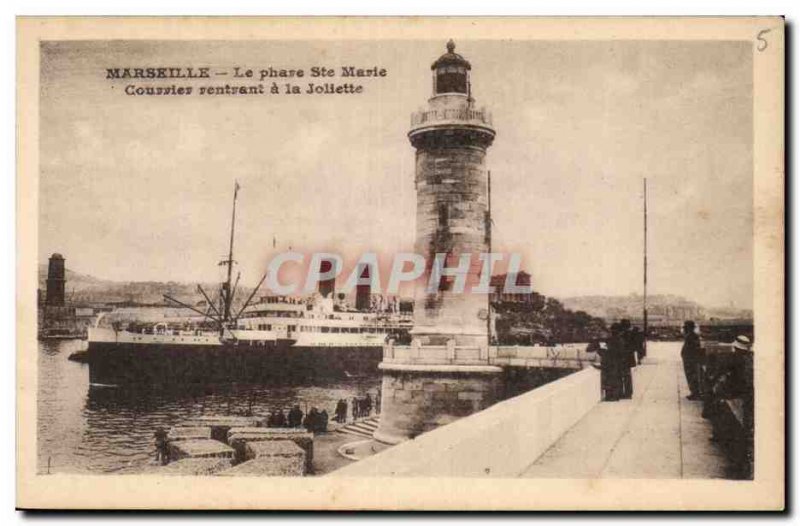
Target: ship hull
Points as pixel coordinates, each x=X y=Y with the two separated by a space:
x=176 y=366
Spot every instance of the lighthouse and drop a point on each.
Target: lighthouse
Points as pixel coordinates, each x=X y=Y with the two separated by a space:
x=445 y=373
x=56 y=281
x=451 y=137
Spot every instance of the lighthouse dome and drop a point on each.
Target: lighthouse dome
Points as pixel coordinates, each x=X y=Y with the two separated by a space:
x=451 y=72
x=451 y=58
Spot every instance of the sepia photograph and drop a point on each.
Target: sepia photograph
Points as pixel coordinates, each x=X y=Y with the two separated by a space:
x=496 y=256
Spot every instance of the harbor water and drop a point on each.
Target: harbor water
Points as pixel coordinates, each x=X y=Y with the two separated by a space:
x=85 y=429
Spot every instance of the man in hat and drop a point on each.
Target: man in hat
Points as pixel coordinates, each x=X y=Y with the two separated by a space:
x=612 y=363
x=692 y=356
x=627 y=359
x=735 y=382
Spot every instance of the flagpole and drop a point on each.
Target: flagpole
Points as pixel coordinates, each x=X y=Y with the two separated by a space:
x=644 y=303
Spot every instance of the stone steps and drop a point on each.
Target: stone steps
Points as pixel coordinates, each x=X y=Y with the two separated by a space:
x=363 y=428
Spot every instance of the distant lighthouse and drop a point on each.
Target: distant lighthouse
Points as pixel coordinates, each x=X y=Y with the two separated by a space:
x=445 y=373
x=56 y=281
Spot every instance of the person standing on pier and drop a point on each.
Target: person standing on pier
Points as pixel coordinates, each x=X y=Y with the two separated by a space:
x=612 y=363
x=295 y=416
x=367 y=405
x=322 y=418
x=627 y=359
x=692 y=356
x=162 y=446
x=340 y=414
x=637 y=340
x=280 y=419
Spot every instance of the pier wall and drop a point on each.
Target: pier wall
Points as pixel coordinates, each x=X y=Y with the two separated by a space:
x=498 y=441
x=419 y=398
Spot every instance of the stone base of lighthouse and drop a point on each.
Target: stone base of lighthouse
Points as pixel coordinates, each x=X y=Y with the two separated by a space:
x=416 y=398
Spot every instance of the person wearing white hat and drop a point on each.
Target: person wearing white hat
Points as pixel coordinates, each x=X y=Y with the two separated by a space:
x=742 y=343
x=737 y=383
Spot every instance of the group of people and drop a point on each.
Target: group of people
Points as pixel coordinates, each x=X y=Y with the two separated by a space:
x=361 y=407
x=315 y=421
x=623 y=350
x=717 y=378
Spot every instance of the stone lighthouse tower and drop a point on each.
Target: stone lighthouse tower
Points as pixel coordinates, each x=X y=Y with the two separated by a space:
x=56 y=281
x=445 y=373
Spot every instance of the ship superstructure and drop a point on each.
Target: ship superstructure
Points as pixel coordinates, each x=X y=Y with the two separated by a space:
x=272 y=338
x=318 y=321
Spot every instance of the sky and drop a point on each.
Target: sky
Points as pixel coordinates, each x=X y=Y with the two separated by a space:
x=139 y=188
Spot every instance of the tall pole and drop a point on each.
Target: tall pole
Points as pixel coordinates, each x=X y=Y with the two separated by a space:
x=644 y=304
x=228 y=298
x=489 y=238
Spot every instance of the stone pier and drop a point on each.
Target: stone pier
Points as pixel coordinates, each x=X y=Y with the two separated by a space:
x=425 y=387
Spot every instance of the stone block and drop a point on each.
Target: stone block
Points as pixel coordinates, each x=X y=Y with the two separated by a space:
x=433 y=386
x=443 y=395
x=221 y=424
x=188 y=433
x=421 y=396
x=273 y=448
x=268 y=467
x=280 y=452
x=415 y=384
x=468 y=395
x=402 y=396
x=238 y=438
x=199 y=448
x=196 y=466
x=478 y=386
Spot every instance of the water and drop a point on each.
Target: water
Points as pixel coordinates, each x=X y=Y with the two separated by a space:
x=90 y=430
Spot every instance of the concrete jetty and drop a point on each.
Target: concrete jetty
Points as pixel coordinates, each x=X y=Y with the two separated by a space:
x=563 y=430
x=658 y=434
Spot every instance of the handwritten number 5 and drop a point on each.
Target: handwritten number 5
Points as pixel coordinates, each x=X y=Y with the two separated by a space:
x=762 y=42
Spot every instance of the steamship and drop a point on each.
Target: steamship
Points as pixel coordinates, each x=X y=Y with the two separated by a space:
x=272 y=339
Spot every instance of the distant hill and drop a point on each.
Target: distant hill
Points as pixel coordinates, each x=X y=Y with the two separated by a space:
x=83 y=288
x=666 y=306
x=611 y=307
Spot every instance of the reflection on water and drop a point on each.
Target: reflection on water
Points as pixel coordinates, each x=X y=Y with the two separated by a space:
x=83 y=429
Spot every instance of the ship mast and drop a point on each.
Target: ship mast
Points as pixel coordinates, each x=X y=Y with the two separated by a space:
x=223 y=313
x=226 y=286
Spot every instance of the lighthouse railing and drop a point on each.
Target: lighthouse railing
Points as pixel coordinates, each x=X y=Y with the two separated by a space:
x=434 y=354
x=481 y=116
